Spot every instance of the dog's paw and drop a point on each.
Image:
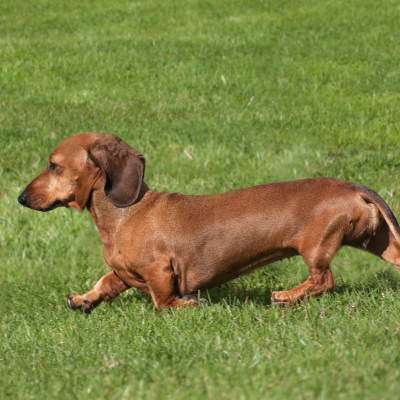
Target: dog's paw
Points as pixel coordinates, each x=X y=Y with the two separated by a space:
x=75 y=302
x=280 y=299
x=193 y=299
x=204 y=302
x=70 y=303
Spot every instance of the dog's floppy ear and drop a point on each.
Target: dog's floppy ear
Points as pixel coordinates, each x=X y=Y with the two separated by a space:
x=123 y=168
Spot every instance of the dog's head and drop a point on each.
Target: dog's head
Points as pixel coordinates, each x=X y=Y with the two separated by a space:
x=78 y=165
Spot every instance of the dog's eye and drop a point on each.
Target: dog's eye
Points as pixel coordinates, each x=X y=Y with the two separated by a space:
x=52 y=166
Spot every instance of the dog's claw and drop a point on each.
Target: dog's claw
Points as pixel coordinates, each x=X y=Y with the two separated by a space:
x=279 y=303
x=70 y=303
x=72 y=306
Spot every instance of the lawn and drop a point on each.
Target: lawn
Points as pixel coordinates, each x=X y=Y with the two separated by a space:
x=254 y=92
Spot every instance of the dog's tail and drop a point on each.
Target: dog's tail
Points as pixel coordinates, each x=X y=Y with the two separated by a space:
x=371 y=196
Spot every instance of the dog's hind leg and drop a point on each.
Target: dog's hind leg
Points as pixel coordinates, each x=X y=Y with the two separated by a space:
x=318 y=282
x=107 y=288
x=317 y=250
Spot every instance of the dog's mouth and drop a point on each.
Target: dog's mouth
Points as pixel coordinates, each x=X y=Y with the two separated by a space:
x=55 y=204
x=52 y=206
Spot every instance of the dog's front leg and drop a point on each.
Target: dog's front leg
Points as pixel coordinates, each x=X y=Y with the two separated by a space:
x=107 y=288
x=161 y=282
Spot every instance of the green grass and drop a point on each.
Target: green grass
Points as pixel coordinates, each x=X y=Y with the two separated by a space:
x=255 y=91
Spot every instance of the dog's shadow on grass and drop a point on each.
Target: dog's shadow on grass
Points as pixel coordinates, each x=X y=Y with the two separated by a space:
x=257 y=290
x=233 y=294
x=239 y=292
x=380 y=282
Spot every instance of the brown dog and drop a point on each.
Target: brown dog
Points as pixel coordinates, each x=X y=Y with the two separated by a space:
x=173 y=245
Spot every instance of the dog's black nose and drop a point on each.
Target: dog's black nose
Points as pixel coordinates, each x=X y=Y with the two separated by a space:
x=22 y=199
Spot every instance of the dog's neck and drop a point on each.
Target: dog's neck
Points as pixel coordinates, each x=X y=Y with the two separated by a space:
x=107 y=216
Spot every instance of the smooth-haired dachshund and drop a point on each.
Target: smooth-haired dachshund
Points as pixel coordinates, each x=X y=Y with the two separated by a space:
x=171 y=245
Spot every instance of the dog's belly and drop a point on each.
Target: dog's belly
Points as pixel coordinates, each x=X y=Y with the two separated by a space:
x=203 y=277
